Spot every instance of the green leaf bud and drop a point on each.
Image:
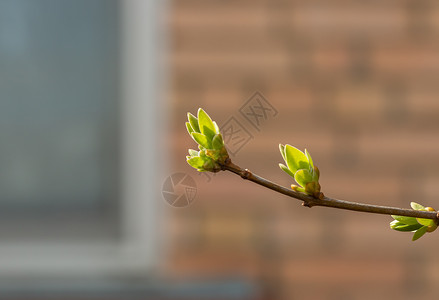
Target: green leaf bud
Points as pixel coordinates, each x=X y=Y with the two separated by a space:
x=419 y=233
x=193 y=122
x=405 y=220
x=399 y=226
x=295 y=159
x=189 y=128
x=303 y=177
x=196 y=162
x=202 y=140
x=193 y=152
x=417 y=206
x=206 y=125
x=286 y=170
x=217 y=142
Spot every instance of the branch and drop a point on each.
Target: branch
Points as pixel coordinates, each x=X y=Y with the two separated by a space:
x=310 y=201
x=213 y=157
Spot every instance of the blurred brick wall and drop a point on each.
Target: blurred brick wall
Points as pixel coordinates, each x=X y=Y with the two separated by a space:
x=354 y=82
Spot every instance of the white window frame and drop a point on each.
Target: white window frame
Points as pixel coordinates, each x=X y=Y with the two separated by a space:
x=137 y=251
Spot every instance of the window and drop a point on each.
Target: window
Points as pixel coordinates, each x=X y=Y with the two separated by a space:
x=78 y=89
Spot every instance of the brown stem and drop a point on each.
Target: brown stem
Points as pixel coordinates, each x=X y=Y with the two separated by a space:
x=310 y=201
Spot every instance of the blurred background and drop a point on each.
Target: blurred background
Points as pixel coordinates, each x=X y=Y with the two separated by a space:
x=94 y=187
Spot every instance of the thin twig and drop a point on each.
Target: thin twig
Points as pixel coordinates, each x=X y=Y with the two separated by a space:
x=310 y=201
